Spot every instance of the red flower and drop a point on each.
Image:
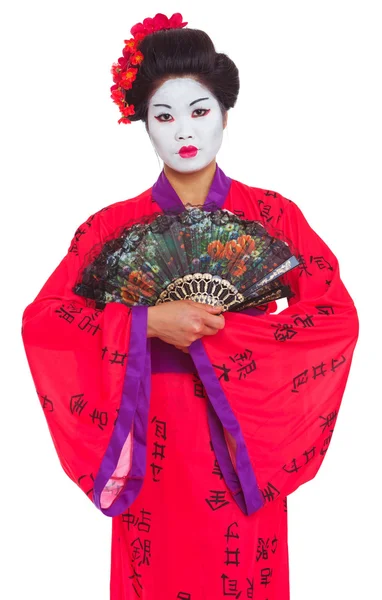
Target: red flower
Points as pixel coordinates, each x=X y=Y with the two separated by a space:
x=116 y=72
x=123 y=74
x=232 y=249
x=123 y=61
x=247 y=243
x=117 y=95
x=160 y=21
x=176 y=21
x=130 y=46
x=238 y=268
x=127 y=78
x=215 y=249
x=137 y=58
x=124 y=120
x=127 y=110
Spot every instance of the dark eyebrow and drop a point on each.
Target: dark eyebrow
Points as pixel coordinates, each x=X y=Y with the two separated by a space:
x=199 y=99
x=191 y=103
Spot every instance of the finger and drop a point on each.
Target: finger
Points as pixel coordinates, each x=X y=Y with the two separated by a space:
x=209 y=330
x=183 y=348
x=208 y=307
x=215 y=321
x=213 y=310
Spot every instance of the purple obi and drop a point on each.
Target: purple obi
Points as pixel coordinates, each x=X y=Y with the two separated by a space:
x=165 y=358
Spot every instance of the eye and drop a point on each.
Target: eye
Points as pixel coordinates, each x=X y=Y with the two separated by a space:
x=204 y=111
x=163 y=115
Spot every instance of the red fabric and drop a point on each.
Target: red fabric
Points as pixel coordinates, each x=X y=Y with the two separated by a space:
x=284 y=374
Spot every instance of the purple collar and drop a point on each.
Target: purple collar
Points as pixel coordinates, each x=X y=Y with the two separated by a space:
x=166 y=197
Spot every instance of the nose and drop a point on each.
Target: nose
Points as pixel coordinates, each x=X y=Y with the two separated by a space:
x=183 y=136
x=184 y=132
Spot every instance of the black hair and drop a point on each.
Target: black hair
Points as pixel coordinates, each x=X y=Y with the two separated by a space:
x=180 y=52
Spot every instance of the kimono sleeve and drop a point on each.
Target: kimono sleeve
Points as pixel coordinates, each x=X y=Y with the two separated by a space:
x=285 y=374
x=86 y=368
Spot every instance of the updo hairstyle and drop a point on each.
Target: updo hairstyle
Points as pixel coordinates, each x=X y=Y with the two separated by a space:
x=185 y=52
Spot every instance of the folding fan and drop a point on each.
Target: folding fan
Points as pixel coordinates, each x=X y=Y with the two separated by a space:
x=213 y=257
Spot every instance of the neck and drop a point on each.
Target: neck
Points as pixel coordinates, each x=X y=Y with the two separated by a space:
x=193 y=187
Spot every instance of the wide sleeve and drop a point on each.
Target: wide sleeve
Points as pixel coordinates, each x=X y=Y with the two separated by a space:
x=90 y=379
x=276 y=381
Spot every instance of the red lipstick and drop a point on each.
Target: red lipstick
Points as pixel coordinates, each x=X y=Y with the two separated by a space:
x=188 y=151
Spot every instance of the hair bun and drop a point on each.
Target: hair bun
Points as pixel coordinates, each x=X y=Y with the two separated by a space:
x=181 y=52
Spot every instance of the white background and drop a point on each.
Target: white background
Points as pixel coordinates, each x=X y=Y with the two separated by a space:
x=308 y=125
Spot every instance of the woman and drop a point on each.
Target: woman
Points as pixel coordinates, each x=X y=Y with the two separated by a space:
x=186 y=426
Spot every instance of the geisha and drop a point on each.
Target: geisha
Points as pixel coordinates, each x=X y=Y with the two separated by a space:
x=187 y=425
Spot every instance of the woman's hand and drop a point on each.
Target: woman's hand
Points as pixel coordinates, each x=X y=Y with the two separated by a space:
x=181 y=322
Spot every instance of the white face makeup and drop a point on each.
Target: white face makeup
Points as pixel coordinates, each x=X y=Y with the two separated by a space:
x=182 y=112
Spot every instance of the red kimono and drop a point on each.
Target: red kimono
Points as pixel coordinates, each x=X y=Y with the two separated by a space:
x=193 y=455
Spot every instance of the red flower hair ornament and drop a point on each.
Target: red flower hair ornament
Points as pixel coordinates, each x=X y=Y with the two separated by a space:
x=123 y=73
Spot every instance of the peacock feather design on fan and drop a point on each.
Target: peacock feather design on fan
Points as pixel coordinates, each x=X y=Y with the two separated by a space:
x=213 y=257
